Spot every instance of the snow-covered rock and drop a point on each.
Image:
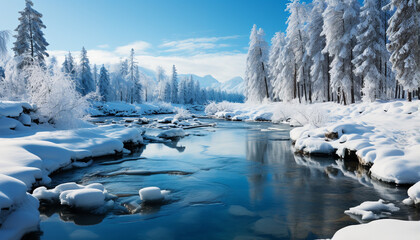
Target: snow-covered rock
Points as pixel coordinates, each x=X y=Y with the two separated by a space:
x=413 y=195
x=85 y=197
x=371 y=210
x=172 y=133
x=152 y=194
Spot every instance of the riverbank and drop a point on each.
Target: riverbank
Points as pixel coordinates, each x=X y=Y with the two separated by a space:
x=380 y=135
x=29 y=153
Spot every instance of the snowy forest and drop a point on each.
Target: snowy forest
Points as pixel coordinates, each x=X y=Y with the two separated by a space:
x=32 y=75
x=338 y=50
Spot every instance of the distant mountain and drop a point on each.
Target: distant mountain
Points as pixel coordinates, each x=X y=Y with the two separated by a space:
x=234 y=85
x=206 y=81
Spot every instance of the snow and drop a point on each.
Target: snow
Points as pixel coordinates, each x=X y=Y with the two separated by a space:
x=371 y=210
x=172 y=133
x=30 y=154
x=414 y=194
x=152 y=194
x=383 y=229
x=382 y=134
x=87 y=197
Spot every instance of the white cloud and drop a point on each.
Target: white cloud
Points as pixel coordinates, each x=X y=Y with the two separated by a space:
x=194 y=44
x=103 y=46
x=223 y=65
x=139 y=47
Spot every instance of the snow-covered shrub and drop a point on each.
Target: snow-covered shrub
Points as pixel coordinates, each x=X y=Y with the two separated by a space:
x=182 y=114
x=55 y=96
x=214 y=107
x=309 y=114
x=13 y=85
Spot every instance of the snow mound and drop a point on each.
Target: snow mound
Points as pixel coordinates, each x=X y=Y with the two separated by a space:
x=13 y=109
x=152 y=194
x=371 y=210
x=78 y=196
x=380 y=229
x=413 y=194
x=172 y=133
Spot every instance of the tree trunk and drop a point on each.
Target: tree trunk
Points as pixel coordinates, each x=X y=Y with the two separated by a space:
x=409 y=96
x=294 y=83
x=329 y=79
x=344 y=98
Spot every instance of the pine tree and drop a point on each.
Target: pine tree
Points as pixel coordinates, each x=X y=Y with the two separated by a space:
x=86 y=83
x=95 y=75
x=256 y=75
x=69 y=66
x=138 y=87
x=104 y=84
x=174 y=85
x=338 y=29
x=403 y=32
x=4 y=37
x=287 y=87
x=296 y=42
x=278 y=43
x=30 y=43
x=368 y=50
x=319 y=70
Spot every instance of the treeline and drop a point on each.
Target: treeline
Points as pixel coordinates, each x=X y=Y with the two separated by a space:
x=338 y=50
x=126 y=83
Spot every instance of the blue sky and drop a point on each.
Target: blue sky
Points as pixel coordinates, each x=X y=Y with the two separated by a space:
x=199 y=36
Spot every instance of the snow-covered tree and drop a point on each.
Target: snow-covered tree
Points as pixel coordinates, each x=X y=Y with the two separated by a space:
x=174 y=85
x=95 y=75
x=55 y=96
x=369 y=49
x=138 y=87
x=104 y=84
x=4 y=37
x=340 y=21
x=320 y=77
x=287 y=87
x=30 y=43
x=69 y=66
x=85 y=81
x=403 y=33
x=296 y=41
x=256 y=75
x=275 y=63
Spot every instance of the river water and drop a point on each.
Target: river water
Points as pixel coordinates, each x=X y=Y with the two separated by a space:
x=239 y=180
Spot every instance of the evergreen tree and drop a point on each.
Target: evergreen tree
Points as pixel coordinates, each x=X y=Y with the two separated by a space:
x=30 y=43
x=369 y=49
x=403 y=33
x=104 y=84
x=86 y=83
x=296 y=42
x=174 y=85
x=278 y=43
x=339 y=31
x=69 y=66
x=320 y=77
x=256 y=75
x=4 y=37
x=95 y=75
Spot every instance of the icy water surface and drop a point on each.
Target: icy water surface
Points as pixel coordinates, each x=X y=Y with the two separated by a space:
x=236 y=181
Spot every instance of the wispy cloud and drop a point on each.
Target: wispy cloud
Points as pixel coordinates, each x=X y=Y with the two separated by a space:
x=103 y=46
x=223 y=65
x=196 y=44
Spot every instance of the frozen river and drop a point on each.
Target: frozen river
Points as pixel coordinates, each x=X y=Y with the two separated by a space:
x=239 y=180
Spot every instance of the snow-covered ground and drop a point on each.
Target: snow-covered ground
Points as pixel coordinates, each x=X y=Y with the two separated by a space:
x=30 y=152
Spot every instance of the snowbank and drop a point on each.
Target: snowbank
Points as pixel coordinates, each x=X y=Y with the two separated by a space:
x=413 y=195
x=371 y=210
x=380 y=229
x=30 y=154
